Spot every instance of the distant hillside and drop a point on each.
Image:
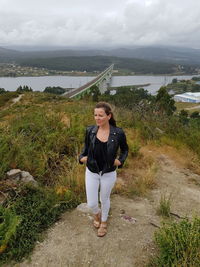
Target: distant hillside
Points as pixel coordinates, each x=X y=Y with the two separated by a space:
x=142 y=60
x=8 y=55
x=164 y=54
x=99 y=63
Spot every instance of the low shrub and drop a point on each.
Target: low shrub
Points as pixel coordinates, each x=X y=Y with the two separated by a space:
x=37 y=208
x=165 y=206
x=138 y=176
x=4 y=98
x=178 y=243
x=134 y=148
x=8 y=227
x=145 y=181
x=39 y=143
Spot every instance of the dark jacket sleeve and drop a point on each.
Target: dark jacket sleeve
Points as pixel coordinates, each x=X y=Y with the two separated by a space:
x=86 y=146
x=123 y=148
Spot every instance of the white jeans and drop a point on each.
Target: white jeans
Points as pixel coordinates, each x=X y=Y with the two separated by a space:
x=106 y=182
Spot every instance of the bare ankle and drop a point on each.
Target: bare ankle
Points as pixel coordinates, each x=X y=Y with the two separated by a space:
x=96 y=216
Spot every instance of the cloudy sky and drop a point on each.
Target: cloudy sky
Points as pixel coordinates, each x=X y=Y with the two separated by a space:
x=100 y=23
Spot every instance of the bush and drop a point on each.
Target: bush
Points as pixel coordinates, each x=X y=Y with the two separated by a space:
x=134 y=148
x=23 y=89
x=165 y=206
x=36 y=142
x=2 y=91
x=54 y=90
x=4 y=98
x=179 y=244
x=38 y=208
x=8 y=227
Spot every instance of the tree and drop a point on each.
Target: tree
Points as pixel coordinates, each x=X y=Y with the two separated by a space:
x=195 y=115
x=2 y=91
x=196 y=78
x=174 y=80
x=127 y=97
x=95 y=92
x=183 y=116
x=25 y=88
x=107 y=92
x=55 y=90
x=165 y=104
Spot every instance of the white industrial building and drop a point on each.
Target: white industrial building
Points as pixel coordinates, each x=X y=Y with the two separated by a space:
x=188 y=97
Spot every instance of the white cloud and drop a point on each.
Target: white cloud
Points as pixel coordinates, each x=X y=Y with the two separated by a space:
x=100 y=23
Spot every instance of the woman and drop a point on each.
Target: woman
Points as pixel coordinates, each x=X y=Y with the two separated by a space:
x=102 y=142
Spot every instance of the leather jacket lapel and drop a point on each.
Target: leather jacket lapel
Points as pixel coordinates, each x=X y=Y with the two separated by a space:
x=93 y=135
x=111 y=145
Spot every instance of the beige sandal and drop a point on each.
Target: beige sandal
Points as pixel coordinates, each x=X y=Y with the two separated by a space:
x=102 y=231
x=97 y=222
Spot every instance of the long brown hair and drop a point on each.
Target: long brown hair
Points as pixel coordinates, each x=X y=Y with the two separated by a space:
x=108 y=110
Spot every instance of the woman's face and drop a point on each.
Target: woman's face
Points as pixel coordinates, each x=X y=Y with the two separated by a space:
x=101 y=117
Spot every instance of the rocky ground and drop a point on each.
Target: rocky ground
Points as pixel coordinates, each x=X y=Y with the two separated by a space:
x=72 y=241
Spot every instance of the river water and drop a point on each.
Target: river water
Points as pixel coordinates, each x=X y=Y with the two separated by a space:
x=39 y=83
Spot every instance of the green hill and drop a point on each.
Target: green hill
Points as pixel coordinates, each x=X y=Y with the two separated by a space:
x=99 y=63
x=43 y=134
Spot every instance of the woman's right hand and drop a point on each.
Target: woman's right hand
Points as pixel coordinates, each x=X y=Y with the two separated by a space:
x=117 y=163
x=84 y=159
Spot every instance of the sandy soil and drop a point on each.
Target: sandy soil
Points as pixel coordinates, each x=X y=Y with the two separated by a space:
x=73 y=242
x=17 y=99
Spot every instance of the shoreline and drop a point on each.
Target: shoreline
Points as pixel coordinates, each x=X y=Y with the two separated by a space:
x=129 y=86
x=94 y=75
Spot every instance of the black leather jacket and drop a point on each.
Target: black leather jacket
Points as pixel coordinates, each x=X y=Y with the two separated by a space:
x=116 y=140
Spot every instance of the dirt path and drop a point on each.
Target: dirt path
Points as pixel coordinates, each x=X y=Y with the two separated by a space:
x=13 y=102
x=17 y=99
x=195 y=107
x=73 y=241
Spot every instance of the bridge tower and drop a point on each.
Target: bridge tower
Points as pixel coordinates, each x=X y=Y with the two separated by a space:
x=104 y=83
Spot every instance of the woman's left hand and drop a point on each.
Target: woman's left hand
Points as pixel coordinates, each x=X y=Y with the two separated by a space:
x=117 y=162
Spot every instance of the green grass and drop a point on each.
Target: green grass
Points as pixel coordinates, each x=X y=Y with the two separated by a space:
x=178 y=244
x=4 y=98
x=43 y=135
x=165 y=206
x=8 y=226
x=37 y=208
x=34 y=137
x=183 y=105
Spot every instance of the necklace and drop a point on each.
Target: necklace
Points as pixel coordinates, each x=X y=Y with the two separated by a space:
x=103 y=135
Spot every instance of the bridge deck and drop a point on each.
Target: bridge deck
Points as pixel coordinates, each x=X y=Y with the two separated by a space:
x=87 y=85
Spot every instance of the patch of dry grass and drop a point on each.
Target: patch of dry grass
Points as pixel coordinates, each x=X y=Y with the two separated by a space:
x=182 y=156
x=183 y=105
x=139 y=173
x=138 y=177
x=189 y=107
x=73 y=178
x=165 y=205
